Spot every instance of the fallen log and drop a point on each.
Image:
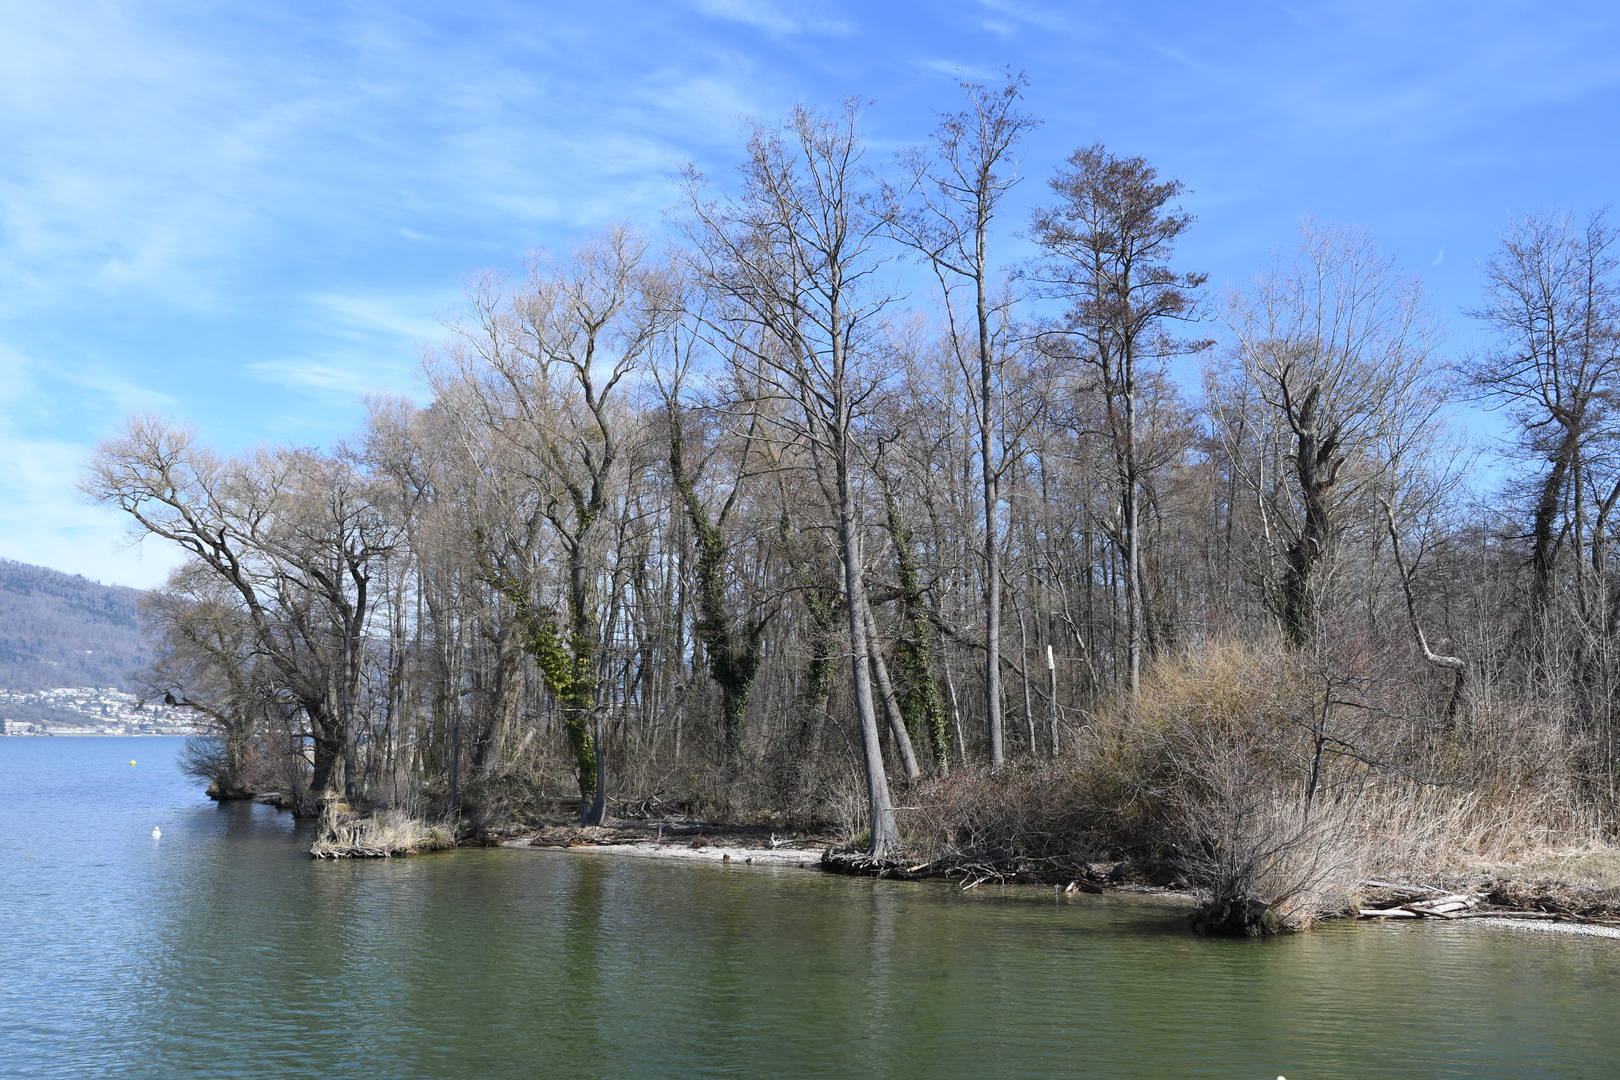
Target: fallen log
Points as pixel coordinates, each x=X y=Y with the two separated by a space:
x=1416 y=890
x=1439 y=908
x=1421 y=890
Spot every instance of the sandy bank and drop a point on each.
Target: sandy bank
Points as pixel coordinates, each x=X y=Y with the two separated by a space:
x=800 y=855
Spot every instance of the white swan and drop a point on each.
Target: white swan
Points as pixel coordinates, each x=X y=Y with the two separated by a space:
x=156 y=832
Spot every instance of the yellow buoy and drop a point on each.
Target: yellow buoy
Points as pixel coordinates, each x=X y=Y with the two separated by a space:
x=132 y=761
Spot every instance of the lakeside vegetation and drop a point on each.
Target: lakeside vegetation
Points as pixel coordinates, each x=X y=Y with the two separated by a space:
x=735 y=529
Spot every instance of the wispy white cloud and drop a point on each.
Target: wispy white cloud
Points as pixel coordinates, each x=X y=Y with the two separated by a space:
x=1386 y=74
x=43 y=517
x=777 y=17
x=1015 y=15
x=393 y=318
x=268 y=213
x=44 y=520
x=371 y=341
x=960 y=71
x=135 y=161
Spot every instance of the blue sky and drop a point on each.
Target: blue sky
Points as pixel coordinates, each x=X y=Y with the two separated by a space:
x=247 y=215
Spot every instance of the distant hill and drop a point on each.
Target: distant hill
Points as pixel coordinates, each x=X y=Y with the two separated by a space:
x=60 y=629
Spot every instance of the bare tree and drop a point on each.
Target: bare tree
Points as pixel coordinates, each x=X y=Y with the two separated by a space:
x=1553 y=300
x=1335 y=346
x=205 y=652
x=288 y=535
x=682 y=529
x=733 y=652
x=1106 y=247
x=956 y=189
x=539 y=383
x=792 y=259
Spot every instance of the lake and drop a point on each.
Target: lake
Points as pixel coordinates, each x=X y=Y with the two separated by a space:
x=222 y=949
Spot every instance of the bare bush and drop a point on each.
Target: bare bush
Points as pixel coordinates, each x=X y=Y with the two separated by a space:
x=1033 y=815
x=1259 y=860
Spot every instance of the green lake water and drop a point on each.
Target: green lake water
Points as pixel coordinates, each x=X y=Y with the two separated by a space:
x=222 y=950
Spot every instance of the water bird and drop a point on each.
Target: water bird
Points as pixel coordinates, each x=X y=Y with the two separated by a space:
x=156 y=832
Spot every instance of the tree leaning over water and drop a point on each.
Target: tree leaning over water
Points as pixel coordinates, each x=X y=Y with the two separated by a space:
x=293 y=534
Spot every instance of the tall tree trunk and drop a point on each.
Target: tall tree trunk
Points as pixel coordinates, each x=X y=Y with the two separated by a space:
x=920 y=704
x=891 y=702
x=506 y=700
x=1133 y=555
x=885 y=834
x=1317 y=459
x=992 y=532
x=351 y=762
x=1543 y=534
x=327 y=746
x=733 y=658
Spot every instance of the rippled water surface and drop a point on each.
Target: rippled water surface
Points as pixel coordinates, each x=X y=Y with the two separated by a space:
x=222 y=949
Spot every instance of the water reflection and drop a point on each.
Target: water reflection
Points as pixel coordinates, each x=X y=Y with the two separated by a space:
x=224 y=949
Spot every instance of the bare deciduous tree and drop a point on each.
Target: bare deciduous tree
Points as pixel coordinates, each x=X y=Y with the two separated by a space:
x=794 y=256
x=957 y=186
x=1107 y=243
x=541 y=379
x=1335 y=346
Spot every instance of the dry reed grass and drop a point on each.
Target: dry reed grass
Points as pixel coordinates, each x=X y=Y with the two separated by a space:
x=1209 y=766
x=381 y=835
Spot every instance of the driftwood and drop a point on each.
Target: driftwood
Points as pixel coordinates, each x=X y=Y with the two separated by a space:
x=973 y=870
x=356 y=853
x=1437 y=904
x=1420 y=902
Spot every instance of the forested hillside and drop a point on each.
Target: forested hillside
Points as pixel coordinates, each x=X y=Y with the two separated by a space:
x=64 y=630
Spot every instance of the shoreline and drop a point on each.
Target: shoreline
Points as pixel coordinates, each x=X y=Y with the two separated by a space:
x=743 y=855
x=1550 y=926
x=703 y=841
x=822 y=854
x=92 y=734
x=1498 y=898
x=735 y=855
